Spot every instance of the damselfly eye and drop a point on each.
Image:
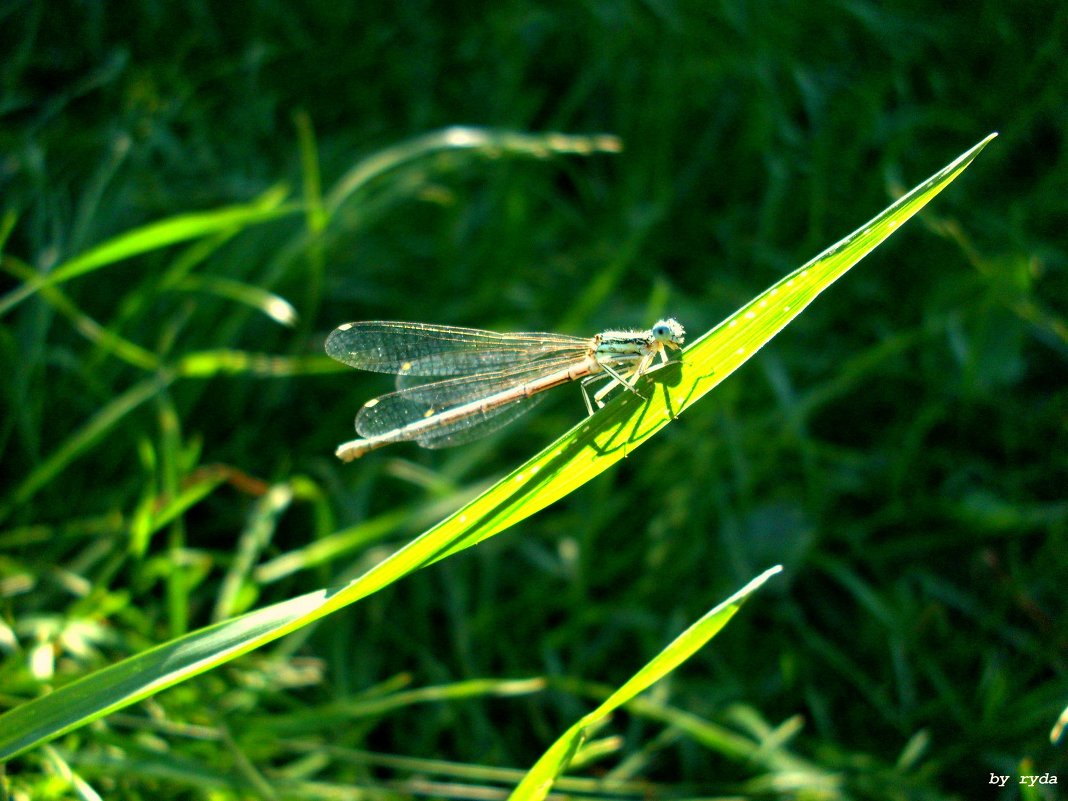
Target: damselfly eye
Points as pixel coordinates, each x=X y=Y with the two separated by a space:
x=668 y=332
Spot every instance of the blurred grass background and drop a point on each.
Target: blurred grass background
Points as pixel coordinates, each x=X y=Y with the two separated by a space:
x=900 y=448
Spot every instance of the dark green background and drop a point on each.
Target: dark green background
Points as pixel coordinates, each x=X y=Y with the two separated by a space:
x=900 y=448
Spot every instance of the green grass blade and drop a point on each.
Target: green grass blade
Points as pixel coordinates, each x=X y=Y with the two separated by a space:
x=485 y=140
x=626 y=422
x=141 y=676
x=346 y=712
x=537 y=783
x=309 y=163
x=105 y=339
x=7 y=225
x=154 y=236
x=274 y=306
x=84 y=438
x=134 y=679
x=208 y=363
x=259 y=531
x=587 y=450
x=1059 y=727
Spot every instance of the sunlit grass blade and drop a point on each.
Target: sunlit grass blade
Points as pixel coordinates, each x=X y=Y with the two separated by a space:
x=333 y=544
x=1059 y=727
x=485 y=140
x=595 y=444
x=149 y=672
x=467 y=780
x=372 y=705
x=207 y=363
x=105 y=339
x=761 y=745
x=107 y=525
x=582 y=453
x=539 y=781
x=154 y=236
x=277 y=308
x=324 y=551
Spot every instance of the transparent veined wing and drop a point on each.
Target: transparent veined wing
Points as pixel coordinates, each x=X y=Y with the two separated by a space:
x=419 y=349
x=478 y=425
x=396 y=410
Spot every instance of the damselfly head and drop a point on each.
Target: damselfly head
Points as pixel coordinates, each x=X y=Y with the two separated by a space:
x=669 y=332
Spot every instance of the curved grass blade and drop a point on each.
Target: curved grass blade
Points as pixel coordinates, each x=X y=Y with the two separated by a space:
x=141 y=676
x=582 y=453
x=492 y=142
x=154 y=236
x=207 y=363
x=274 y=306
x=537 y=783
x=104 y=338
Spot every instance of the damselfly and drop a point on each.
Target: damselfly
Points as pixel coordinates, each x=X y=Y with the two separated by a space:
x=494 y=377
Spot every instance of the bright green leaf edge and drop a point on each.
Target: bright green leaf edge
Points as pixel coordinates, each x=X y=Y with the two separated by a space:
x=582 y=453
x=539 y=780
